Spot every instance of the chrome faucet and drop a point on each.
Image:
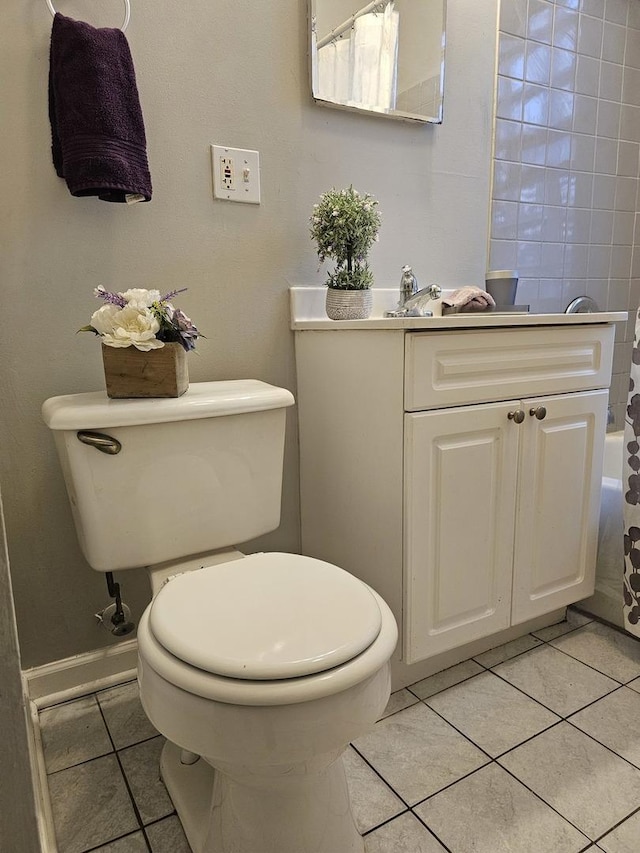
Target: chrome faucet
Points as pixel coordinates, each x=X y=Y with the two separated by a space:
x=413 y=302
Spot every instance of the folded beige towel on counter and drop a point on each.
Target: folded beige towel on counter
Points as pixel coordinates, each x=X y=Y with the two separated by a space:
x=470 y=297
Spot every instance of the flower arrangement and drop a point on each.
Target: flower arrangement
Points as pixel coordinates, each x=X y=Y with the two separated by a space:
x=142 y=319
x=345 y=225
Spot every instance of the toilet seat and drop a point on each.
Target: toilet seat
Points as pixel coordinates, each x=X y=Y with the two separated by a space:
x=266 y=617
x=238 y=691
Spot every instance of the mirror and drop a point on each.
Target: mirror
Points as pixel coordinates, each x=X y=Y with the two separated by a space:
x=386 y=58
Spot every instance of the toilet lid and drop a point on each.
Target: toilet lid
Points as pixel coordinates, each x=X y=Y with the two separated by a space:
x=267 y=616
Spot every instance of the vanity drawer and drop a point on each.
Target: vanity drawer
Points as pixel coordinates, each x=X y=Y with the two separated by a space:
x=471 y=366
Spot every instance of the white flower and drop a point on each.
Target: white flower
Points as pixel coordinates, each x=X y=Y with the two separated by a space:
x=138 y=297
x=128 y=326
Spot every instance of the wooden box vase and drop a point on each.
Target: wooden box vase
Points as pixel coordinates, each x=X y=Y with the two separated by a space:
x=129 y=372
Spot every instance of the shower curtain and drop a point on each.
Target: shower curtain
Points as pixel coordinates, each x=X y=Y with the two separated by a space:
x=631 y=490
x=334 y=71
x=374 y=59
x=361 y=70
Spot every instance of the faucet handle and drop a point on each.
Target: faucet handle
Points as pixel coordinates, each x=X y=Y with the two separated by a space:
x=408 y=284
x=435 y=291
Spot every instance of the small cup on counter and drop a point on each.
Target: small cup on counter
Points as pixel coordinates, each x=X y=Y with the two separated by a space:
x=502 y=285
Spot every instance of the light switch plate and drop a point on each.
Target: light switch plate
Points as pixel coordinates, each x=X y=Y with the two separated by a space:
x=236 y=174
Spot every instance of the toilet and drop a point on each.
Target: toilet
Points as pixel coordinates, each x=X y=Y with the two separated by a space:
x=259 y=669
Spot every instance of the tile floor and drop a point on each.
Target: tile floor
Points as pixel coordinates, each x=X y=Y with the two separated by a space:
x=532 y=747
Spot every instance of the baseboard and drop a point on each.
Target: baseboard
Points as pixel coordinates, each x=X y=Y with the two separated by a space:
x=61 y=681
x=44 y=815
x=66 y=679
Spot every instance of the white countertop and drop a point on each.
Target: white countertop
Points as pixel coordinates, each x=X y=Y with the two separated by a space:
x=308 y=312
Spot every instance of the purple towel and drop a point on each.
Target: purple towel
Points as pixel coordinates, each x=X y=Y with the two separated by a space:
x=98 y=140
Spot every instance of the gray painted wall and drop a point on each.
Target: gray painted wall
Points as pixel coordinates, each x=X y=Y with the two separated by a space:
x=232 y=72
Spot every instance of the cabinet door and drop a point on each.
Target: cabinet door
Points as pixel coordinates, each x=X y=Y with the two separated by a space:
x=558 y=502
x=460 y=487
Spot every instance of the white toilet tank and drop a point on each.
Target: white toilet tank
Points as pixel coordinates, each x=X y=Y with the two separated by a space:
x=194 y=473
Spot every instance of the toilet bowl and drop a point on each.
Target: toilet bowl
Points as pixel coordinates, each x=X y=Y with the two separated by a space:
x=269 y=704
x=257 y=669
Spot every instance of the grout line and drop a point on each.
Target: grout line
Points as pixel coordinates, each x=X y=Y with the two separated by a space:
x=385 y=822
x=620 y=822
x=399 y=711
x=428 y=828
x=125 y=780
x=113 y=841
x=590 y=666
x=608 y=748
x=381 y=777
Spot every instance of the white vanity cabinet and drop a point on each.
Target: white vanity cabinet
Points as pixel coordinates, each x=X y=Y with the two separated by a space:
x=455 y=471
x=500 y=517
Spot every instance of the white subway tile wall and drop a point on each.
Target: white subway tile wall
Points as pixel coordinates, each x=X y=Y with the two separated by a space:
x=567 y=159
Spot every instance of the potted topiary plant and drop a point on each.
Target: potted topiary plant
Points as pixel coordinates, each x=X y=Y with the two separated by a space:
x=345 y=225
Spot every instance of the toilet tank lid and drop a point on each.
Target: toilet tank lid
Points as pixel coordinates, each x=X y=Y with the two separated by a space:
x=94 y=409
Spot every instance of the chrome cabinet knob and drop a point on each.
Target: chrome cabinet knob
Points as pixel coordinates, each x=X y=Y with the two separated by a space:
x=517 y=416
x=539 y=412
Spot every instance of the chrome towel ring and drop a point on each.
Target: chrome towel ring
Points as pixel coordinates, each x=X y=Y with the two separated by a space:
x=127 y=12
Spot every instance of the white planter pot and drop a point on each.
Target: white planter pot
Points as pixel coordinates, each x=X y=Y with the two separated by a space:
x=348 y=304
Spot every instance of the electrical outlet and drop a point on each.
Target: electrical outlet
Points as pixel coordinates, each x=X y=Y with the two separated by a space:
x=227 y=175
x=236 y=174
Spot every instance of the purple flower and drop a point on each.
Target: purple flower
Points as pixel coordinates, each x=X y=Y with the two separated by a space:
x=173 y=293
x=187 y=331
x=109 y=296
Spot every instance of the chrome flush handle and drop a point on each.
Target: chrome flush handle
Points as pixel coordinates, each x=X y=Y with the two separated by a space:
x=102 y=442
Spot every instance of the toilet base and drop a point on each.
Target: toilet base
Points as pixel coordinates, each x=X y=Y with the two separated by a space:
x=189 y=786
x=292 y=815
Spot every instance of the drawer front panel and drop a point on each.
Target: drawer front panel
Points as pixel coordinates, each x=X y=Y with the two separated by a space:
x=444 y=369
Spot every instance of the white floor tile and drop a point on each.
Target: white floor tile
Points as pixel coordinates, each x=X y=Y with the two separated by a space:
x=556 y=680
x=372 y=801
x=129 y=844
x=447 y=678
x=126 y=720
x=167 y=836
x=585 y=782
x=141 y=765
x=492 y=713
x=417 y=753
x=611 y=721
x=611 y=652
x=398 y=701
x=508 y=650
x=491 y=812
x=405 y=834
x=623 y=839
x=574 y=620
x=73 y=733
x=90 y=805
x=634 y=685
